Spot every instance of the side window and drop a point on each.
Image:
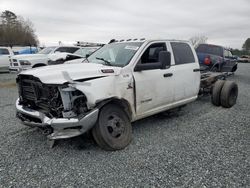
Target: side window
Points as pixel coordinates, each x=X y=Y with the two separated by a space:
x=182 y=53
x=151 y=54
x=226 y=54
x=4 y=51
x=67 y=49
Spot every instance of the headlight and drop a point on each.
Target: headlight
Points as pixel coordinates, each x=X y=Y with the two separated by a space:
x=24 y=62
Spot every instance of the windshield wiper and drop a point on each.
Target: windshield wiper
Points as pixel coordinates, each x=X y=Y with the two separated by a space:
x=104 y=60
x=86 y=59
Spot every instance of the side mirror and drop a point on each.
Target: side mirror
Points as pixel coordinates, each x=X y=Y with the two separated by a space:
x=165 y=59
x=87 y=55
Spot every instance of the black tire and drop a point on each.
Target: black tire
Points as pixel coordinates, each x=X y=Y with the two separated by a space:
x=229 y=94
x=113 y=130
x=216 y=92
x=234 y=68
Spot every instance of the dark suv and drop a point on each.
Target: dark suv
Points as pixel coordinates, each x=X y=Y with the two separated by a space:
x=216 y=58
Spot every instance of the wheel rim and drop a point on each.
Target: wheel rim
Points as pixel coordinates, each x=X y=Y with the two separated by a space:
x=233 y=96
x=115 y=126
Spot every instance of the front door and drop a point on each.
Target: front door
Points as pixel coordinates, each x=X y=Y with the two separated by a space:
x=154 y=88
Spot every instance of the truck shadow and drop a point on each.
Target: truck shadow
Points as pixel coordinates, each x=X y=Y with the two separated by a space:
x=166 y=120
x=86 y=141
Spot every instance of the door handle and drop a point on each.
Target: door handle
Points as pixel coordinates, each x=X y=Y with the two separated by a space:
x=197 y=70
x=167 y=75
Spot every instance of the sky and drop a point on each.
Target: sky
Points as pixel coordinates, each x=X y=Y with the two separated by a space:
x=223 y=22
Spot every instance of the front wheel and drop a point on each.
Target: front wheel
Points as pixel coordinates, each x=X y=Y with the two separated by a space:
x=113 y=130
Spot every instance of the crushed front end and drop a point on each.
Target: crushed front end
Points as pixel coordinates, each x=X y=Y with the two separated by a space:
x=61 y=109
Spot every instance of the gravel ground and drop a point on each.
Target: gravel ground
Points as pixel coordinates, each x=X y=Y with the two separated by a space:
x=201 y=146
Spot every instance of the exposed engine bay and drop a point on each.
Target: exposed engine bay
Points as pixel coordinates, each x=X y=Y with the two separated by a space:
x=55 y=101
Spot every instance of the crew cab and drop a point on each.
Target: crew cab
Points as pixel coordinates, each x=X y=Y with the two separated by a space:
x=120 y=83
x=216 y=58
x=5 y=54
x=28 y=61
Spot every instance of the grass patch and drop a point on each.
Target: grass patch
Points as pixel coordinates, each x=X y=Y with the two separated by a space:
x=7 y=85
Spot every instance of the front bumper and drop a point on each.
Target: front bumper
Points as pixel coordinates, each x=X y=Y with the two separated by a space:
x=17 y=69
x=62 y=127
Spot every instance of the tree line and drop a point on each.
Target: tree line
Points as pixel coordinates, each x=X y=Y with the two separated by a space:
x=16 y=31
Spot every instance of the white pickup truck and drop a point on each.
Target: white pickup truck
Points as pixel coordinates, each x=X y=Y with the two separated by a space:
x=120 y=83
x=5 y=54
x=27 y=61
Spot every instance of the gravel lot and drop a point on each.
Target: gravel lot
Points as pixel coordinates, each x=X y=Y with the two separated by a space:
x=201 y=146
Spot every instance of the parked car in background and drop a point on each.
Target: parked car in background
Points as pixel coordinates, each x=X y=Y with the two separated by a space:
x=244 y=59
x=24 y=62
x=28 y=50
x=216 y=58
x=77 y=56
x=5 y=54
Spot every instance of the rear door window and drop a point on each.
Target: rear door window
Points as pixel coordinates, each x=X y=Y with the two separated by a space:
x=182 y=53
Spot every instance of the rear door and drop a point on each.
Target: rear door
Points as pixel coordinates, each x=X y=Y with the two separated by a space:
x=187 y=74
x=153 y=87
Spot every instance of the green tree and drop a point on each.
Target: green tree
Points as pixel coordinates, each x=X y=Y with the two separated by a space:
x=16 y=31
x=246 y=45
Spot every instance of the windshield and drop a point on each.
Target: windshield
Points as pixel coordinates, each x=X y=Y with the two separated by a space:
x=67 y=49
x=46 y=50
x=85 y=51
x=115 y=54
x=210 y=49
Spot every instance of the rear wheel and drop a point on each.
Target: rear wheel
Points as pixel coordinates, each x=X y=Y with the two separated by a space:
x=113 y=130
x=216 y=92
x=229 y=94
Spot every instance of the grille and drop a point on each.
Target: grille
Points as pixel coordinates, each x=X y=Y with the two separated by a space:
x=15 y=64
x=28 y=90
x=36 y=95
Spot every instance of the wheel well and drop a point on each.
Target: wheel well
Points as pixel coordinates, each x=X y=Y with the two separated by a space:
x=216 y=65
x=122 y=103
x=38 y=65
